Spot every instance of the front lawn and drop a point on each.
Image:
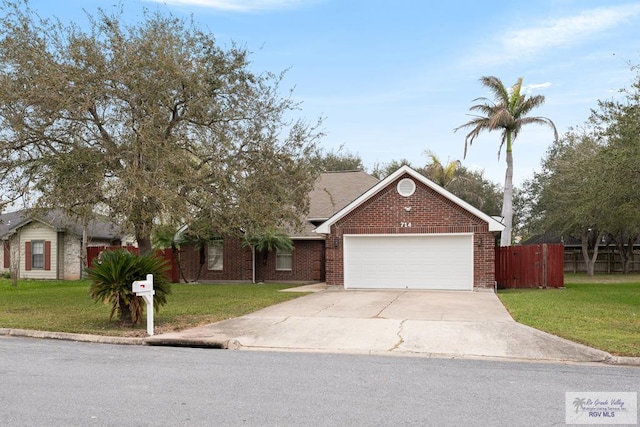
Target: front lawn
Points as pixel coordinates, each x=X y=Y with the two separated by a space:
x=65 y=306
x=602 y=312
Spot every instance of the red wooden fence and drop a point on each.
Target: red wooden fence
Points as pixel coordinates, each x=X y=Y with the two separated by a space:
x=530 y=266
x=93 y=252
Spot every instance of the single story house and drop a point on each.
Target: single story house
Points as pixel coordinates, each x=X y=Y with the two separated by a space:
x=225 y=259
x=49 y=245
x=403 y=232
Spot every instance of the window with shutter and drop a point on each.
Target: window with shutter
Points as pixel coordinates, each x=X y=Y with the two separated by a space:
x=37 y=254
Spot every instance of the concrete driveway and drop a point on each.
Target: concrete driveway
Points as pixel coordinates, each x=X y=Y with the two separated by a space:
x=426 y=323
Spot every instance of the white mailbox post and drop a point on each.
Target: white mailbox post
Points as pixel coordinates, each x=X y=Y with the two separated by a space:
x=144 y=289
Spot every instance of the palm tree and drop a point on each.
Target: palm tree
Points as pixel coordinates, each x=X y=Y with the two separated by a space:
x=506 y=112
x=267 y=240
x=112 y=277
x=441 y=174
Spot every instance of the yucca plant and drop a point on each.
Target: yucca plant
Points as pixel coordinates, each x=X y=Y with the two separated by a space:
x=111 y=280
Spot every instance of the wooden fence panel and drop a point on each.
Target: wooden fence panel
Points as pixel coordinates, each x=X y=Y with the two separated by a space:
x=530 y=266
x=93 y=252
x=554 y=265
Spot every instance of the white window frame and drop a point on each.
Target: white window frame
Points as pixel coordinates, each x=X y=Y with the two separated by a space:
x=39 y=256
x=215 y=255
x=284 y=255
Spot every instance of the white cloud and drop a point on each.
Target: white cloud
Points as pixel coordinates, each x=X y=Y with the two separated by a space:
x=559 y=33
x=530 y=88
x=237 y=5
x=568 y=31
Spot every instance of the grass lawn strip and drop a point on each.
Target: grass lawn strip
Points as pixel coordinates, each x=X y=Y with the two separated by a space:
x=601 y=315
x=65 y=306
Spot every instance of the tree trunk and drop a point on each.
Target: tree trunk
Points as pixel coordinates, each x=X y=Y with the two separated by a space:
x=590 y=262
x=85 y=242
x=625 y=249
x=125 y=314
x=176 y=257
x=142 y=228
x=507 y=198
x=202 y=259
x=14 y=262
x=144 y=245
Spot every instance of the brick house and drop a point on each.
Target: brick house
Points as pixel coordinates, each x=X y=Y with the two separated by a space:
x=407 y=232
x=402 y=232
x=227 y=260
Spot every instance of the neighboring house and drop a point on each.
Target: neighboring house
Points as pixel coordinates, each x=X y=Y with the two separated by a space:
x=49 y=246
x=402 y=232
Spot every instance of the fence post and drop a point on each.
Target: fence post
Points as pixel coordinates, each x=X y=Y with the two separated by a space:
x=545 y=260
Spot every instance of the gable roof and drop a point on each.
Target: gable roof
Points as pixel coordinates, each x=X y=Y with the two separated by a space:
x=332 y=191
x=99 y=228
x=325 y=227
x=335 y=190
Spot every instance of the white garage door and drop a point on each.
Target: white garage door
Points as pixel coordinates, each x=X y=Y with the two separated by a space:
x=436 y=261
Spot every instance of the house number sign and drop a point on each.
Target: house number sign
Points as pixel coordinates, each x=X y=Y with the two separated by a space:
x=405 y=224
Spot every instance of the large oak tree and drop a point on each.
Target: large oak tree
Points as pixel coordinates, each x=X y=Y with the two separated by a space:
x=150 y=122
x=588 y=185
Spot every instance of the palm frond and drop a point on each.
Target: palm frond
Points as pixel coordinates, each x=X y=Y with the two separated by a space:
x=506 y=112
x=112 y=277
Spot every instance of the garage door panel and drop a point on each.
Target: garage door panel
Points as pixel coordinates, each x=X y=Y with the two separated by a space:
x=409 y=261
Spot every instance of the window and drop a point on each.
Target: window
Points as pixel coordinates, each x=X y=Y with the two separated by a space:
x=37 y=254
x=216 y=252
x=406 y=187
x=284 y=259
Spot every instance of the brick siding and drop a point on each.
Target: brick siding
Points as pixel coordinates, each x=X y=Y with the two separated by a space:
x=307 y=260
x=430 y=213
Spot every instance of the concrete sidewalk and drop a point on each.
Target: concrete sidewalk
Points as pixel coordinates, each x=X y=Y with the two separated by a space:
x=425 y=323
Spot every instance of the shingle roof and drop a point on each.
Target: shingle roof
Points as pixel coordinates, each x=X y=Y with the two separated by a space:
x=332 y=192
x=98 y=228
x=494 y=225
x=335 y=190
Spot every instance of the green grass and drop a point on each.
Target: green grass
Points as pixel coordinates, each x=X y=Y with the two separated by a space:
x=602 y=312
x=61 y=306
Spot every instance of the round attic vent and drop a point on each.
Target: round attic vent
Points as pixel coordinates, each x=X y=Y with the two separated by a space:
x=406 y=187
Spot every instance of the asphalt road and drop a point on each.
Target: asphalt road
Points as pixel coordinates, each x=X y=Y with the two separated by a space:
x=61 y=383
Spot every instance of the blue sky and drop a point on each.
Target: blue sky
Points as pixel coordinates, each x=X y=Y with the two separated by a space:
x=393 y=79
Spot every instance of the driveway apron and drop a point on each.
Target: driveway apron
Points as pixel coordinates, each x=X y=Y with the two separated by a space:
x=424 y=323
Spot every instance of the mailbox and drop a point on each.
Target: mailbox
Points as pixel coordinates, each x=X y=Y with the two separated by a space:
x=140 y=286
x=144 y=289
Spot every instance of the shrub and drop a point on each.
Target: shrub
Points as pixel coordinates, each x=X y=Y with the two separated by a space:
x=112 y=277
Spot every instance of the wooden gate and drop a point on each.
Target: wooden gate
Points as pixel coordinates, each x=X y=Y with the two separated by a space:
x=93 y=252
x=530 y=266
